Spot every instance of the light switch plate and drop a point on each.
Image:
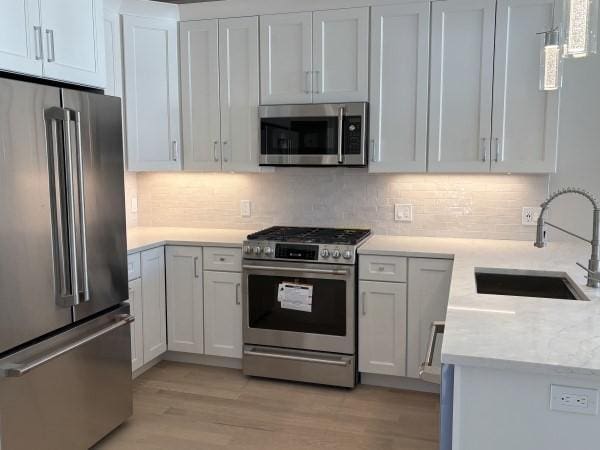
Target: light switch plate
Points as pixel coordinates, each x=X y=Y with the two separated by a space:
x=574 y=399
x=403 y=213
x=245 y=208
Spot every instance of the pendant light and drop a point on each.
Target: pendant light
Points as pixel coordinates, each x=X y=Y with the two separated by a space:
x=581 y=28
x=550 y=61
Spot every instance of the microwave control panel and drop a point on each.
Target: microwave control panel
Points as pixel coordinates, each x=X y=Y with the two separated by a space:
x=352 y=135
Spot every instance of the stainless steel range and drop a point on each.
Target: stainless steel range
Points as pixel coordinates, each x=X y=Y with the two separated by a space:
x=299 y=288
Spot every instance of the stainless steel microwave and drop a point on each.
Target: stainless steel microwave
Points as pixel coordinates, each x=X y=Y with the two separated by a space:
x=329 y=134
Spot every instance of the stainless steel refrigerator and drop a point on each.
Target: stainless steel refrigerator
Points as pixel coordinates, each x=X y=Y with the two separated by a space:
x=65 y=355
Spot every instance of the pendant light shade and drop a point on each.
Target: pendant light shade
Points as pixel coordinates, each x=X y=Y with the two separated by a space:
x=550 y=61
x=581 y=28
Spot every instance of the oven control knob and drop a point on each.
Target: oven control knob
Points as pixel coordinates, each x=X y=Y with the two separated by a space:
x=257 y=250
x=347 y=254
x=268 y=251
x=325 y=253
x=247 y=249
x=336 y=254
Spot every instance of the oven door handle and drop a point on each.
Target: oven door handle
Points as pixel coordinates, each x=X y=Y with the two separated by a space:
x=331 y=362
x=297 y=269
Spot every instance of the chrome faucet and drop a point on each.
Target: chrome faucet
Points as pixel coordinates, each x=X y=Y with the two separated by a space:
x=593 y=268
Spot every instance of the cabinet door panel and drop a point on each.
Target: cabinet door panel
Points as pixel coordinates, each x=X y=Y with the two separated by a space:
x=185 y=315
x=286 y=58
x=154 y=303
x=200 y=95
x=20 y=48
x=137 y=331
x=525 y=119
x=428 y=290
x=223 y=314
x=462 y=50
x=399 y=74
x=74 y=51
x=238 y=62
x=382 y=328
x=341 y=55
x=112 y=46
x=152 y=92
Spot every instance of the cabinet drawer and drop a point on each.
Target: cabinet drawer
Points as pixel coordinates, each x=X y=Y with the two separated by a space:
x=382 y=268
x=223 y=259
x=133 y=266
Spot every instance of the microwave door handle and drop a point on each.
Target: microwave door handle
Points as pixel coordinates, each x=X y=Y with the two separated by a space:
x=340 y=148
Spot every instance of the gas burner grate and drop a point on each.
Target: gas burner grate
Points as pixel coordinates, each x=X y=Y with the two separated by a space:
x=311 y=235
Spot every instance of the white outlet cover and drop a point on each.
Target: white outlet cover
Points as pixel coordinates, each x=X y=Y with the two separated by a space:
x=245 y=208
x=530 y=214
x=574 y=399
x=403 y=213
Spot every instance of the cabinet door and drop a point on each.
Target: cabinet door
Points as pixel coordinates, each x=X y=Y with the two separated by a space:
x=382 y=328
x=185 y=315
x=286 y=58
x=199 y=50
x=341 y=55
x=137 y=331
x=21 y=37
x=74 y=38
x=238 y=56
x=399 y=83
x=525 y=119
x=462 y=53
x=223 y=314
x=152 y=92
x=112 y=46
x=154 y=303
x=428 y=290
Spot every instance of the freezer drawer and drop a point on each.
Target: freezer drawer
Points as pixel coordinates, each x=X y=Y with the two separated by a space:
x=69 y=391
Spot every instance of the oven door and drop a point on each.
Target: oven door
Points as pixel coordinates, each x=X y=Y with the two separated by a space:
x=327 y=325
x=313 y=135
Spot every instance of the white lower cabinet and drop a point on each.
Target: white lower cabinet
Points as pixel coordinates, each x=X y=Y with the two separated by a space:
x=185 y=316
x=154 y=303
x=382 y=328
x=137 y=332
x=223 y=314
x=428 y=290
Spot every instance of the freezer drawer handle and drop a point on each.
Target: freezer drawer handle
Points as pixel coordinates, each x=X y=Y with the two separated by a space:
x=427 y=371
x=18 y=370
x=297 y=358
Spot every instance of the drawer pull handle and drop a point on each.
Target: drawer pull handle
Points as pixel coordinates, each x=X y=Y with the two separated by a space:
x=222 y=259
x=381 y=268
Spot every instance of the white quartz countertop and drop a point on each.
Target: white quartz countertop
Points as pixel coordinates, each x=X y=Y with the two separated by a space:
x=520 y=333
x=144 y=238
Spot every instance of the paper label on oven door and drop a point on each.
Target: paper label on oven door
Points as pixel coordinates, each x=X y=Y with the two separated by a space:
x=295 y=296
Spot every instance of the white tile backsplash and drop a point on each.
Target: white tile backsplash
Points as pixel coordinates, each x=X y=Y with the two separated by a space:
x=479 y=206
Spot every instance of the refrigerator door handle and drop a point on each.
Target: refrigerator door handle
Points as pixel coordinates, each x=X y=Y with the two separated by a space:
x=18 y=370
x=64 y=214
x=81 y=199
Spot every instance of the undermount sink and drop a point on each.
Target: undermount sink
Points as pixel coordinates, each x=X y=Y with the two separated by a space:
x=525 y=283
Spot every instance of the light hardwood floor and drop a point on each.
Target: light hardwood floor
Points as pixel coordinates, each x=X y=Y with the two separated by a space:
x=182 y=406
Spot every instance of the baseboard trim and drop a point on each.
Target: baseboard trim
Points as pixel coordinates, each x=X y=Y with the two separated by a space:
x=388 y=381
x=204 y=360
x=149 y=365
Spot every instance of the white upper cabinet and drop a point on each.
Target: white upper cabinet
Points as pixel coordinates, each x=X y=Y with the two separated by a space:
x=21 y=37
x=74 y=37
x=152 y=93
x=239 y=83
x=462 y=52
x=112 y=46
x=286 y=58
x=341 y=55
x=185 y=314
x=223 y=314
x=57 y=39
x=399 y=83
x=428 y=291
x=200 y=107
x=220 y=94
x=525 y=119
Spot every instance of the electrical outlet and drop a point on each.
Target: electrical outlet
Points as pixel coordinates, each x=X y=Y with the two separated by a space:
x=574 y=400
x=403 y=213
x=245 y=208
x=530 y=214
x=134 y=205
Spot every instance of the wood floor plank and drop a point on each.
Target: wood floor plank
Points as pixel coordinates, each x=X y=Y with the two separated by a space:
x=184 y=406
